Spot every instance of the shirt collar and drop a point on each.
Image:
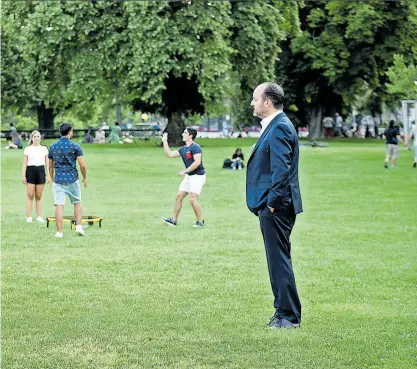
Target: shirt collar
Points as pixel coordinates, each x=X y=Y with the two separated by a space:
x=265 y=122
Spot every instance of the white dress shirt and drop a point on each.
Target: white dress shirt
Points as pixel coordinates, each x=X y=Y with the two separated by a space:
x=265 y=122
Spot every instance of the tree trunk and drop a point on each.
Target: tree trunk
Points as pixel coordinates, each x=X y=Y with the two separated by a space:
x=118 y=110
x=117 y=102
x=45 y=116
x=175 y=128
x=315 y=128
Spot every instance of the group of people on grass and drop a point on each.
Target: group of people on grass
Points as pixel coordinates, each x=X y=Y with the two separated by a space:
x=57 y=166
x=272 y=188
x=115 y=136
x=36 y=170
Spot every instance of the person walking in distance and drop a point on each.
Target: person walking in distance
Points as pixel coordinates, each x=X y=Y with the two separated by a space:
x=413 y=132
x=392 y=135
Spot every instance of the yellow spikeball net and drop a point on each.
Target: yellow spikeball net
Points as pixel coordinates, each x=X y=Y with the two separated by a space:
x=90 y=220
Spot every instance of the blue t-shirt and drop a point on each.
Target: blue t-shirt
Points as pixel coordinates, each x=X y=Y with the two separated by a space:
x=187 y=154
x=64 y=153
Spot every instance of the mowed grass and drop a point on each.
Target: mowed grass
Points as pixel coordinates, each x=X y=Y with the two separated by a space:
x=139 y=294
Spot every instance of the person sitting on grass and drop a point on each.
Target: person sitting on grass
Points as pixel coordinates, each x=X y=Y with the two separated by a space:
x=238 y=160
x=15 y=142
x=100 y=136
x=88 y=139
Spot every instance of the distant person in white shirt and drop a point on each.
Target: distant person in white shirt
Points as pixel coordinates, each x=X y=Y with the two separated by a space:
x=34 y=176
x=339 y=125
x=328 y=124
x=225 y=132
x=100 y=136
x=413 y=132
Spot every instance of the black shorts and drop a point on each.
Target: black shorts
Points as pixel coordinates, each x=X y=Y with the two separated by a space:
x=35 y=175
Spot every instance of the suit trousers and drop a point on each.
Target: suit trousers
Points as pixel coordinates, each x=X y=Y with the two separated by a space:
x=276 y=230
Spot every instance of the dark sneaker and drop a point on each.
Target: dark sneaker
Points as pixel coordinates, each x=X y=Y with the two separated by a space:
x=385 y=166
x=283 y=324
x=414 y=165
x=169 y=221
x=198 y=224
x=272 y=321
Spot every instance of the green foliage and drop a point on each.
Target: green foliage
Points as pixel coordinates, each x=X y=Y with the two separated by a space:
x=85 y=53
x=403 y=78
x=345 y=47
x=258 y=27
x=21 y=121
x=353 y=42
x=68 y=53
x=181 y=40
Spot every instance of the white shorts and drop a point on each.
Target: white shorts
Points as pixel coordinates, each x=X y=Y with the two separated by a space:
x=193 y=184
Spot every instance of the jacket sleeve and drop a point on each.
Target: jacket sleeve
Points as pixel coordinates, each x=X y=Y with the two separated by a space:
x=281 y=148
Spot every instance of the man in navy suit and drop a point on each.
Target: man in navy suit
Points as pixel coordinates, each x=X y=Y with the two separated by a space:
x=273 y=194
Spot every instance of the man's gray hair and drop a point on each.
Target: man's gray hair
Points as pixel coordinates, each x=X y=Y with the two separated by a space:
x=275 y=93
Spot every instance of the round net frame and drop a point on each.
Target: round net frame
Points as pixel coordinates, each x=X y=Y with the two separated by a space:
x=89 y=219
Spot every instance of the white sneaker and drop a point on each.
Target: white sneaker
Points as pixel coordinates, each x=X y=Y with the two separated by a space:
x=40 y=219
x=59 y=235
x=29 y=220
x=79 y=230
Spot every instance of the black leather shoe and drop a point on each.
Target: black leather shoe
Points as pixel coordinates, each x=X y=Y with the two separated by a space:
x=283 y=324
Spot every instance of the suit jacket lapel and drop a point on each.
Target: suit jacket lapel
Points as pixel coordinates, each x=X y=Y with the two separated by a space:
x=263 y=135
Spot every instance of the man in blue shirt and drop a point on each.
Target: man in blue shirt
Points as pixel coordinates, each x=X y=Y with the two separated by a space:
x=194 y=175
x=63 y=158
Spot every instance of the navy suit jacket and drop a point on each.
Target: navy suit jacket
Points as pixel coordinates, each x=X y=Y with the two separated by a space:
x=272 y=169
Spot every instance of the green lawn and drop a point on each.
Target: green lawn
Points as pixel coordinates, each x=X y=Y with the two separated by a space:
x=139 y=294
